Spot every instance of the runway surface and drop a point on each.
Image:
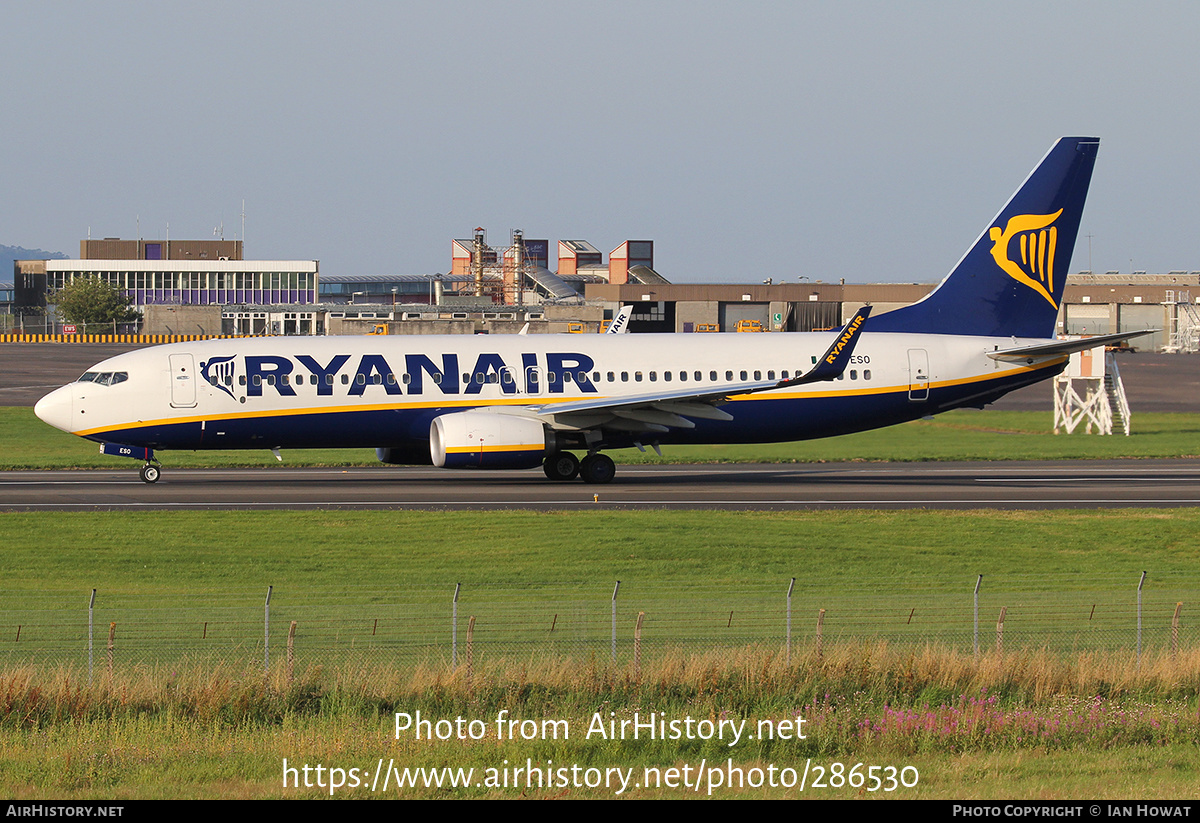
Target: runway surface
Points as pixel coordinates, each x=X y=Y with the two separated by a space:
x=1040 y=485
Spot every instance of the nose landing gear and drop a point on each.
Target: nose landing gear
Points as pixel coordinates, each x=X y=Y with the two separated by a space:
x=149 y=472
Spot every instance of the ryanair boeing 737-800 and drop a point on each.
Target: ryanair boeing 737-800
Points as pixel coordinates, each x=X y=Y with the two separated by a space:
x=520 y=401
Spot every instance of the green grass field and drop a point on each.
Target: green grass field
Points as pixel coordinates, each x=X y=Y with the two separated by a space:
x=961 y=435
x=377 y=586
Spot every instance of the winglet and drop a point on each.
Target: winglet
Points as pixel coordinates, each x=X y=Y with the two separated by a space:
x=833 y=362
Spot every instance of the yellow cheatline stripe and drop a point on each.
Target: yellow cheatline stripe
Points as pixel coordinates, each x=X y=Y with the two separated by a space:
x=428 y=404
x=491 y=448
x=906 y=387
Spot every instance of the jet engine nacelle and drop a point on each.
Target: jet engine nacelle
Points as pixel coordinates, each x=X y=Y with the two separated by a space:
x=486 y=440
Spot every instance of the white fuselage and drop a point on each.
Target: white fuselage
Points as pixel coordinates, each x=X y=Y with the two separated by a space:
x=384 y=390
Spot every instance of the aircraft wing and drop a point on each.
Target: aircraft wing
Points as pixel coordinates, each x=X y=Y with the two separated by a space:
x=1057 y=348
x=658 y=411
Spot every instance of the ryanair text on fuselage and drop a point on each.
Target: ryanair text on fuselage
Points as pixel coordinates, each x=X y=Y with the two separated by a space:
x=351 y=375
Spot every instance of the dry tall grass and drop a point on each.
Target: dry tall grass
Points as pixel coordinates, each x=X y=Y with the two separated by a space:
x=752 y=678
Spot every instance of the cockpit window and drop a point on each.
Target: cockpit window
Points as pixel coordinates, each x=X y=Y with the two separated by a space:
x=104 y=378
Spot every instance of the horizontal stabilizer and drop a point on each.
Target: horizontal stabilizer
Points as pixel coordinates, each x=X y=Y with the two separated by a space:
x=1057 y=348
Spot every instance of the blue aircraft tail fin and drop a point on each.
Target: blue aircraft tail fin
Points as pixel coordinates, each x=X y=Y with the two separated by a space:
x=1010 y=282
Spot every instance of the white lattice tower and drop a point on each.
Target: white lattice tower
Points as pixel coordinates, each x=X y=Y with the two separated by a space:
x=1090 y=391
x=1185 y=323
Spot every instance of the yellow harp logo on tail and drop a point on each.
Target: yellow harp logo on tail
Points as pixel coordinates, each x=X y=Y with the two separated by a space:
x=1038 y=241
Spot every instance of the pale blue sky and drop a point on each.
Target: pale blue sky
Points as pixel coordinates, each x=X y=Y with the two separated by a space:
x=864 y=140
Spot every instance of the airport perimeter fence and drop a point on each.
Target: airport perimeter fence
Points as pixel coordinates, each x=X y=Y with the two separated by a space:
x=607 y=622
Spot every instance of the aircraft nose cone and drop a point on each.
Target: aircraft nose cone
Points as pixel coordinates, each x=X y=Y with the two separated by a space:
x=55 y=408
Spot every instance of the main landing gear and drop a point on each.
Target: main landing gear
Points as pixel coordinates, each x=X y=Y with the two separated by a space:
x=561 y=466
x=595 y=468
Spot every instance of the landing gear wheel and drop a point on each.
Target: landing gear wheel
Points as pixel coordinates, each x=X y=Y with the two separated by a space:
x=561 y=466
x=597 y=468
x=149 y=474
